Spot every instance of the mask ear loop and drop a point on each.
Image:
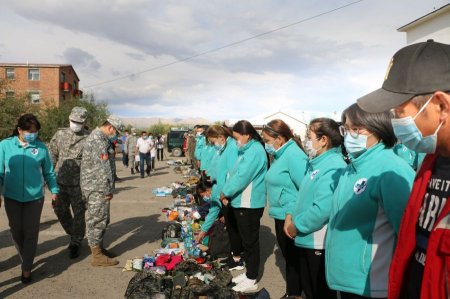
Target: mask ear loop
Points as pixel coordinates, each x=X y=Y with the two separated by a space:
x=423 y=107
x=438 y=128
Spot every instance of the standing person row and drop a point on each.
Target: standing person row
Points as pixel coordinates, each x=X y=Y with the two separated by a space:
x=283 y=180
x=245 y=193
x=66 y=149
x=132 y=152
x=417 y=88
x=97 y=185
x=144 y=146
x=25 y=165
x=311 y=212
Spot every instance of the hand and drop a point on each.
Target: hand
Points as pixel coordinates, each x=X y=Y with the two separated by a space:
x=225 y=202
x=201 y=235
x=289 y=228
x=54 y=200
x=109 y=197
x=222 y=219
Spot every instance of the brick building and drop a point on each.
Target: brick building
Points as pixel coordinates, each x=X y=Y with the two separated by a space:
x=49 y=83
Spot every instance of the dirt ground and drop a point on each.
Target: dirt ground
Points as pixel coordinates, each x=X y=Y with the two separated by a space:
x=135 y=229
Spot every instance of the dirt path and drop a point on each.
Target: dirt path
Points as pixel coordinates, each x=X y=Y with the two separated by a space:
x=135 y=229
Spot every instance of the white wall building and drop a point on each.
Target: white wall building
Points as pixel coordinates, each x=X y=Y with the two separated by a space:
x=435 y=25
x=298 y=124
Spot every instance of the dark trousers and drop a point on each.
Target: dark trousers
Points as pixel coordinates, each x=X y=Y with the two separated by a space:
x=291 y=255
x=153 y=162
x=248 y=224
x=312 y=270
x=144 y=158
x=343 y=295
x=24 y=219
x=125 y=159
x=232 y=230
x=160 y=153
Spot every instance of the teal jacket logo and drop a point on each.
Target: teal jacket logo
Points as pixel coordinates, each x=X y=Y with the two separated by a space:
x=360 y=186
x=314 y=173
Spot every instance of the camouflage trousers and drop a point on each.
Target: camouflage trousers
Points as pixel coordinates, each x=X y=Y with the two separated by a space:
x=131 y=159
x=73 y=221
x=97 y=217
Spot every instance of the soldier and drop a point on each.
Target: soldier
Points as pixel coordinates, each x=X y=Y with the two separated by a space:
x=66 y=149
x=97 y=185
x=131 y=145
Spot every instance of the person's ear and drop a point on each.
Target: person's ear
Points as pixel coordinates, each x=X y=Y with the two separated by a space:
x=443 y=100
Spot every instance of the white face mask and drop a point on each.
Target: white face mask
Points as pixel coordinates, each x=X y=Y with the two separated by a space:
x=75 y=127
x=310 y=150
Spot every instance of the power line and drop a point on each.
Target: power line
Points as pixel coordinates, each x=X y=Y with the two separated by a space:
x=225 y=46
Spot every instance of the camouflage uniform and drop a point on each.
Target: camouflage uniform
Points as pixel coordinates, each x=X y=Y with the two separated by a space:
x=131 y=144
x=66 y=148
x=191 y=149
x=97 y=181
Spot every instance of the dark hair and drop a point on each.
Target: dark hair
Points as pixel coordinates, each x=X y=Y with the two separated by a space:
x=26 y=122
x=219 y=130
x=142 y=132
x=205 y=128
x=327 y=127
x=278 y=127
x=244 y=127
x=377 y=123
x=203 y=186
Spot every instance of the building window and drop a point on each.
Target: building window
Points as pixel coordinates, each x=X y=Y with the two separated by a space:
x=75 y=85
x=10 y=74
x=9 y=94
x=33 y=75
x=63 y=77
x=35 y=96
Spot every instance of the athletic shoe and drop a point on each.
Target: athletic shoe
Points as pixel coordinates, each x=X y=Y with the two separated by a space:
x=235 y=266
x=239 y=278
x=246 y=285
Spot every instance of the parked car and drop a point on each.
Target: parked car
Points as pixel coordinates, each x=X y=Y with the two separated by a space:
x=175 y=140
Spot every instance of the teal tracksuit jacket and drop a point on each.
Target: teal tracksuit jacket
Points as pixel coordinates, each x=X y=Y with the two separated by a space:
x=224 y=161
x=24 y=171
x=365 y=216
x=199 y=144
x=245 y=186
x=283 y=179
x=313 y=205
x=208 y=154
x=411 y=157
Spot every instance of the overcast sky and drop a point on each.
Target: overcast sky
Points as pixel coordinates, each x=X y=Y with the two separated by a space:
x=320 y=65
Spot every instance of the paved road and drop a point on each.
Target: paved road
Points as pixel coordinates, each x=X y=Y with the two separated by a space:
x=135 y=229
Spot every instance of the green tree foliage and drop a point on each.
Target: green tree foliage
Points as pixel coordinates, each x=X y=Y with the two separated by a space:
x=159 y=129
x=50 y=117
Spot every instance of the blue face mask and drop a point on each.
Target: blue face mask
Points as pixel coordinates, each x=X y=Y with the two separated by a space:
x=30 y=137
x=355 y=146
x=270 y=149
x=218 y=146
x=207 y=198
x=409 y=134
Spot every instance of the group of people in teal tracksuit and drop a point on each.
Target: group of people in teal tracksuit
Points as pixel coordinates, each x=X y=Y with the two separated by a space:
x=336 y=198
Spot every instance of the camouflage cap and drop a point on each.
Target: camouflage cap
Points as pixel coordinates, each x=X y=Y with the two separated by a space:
x=116 y=122
x=133 y=130
x=78 y=114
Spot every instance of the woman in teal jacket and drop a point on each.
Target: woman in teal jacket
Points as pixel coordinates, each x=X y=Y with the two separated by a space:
x=283 y=180
x=25 y=165
x=367 y=207
x=245 y=193
x=223 y=161
x=312 y=210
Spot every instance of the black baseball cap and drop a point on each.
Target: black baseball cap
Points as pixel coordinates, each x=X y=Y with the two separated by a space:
x=416 y=69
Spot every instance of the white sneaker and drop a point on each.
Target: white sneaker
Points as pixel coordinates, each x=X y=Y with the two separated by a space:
x=239 y=278
x=246 y=285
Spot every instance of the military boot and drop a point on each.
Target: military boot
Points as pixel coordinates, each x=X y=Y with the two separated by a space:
x=108 y=253
x=99 y=259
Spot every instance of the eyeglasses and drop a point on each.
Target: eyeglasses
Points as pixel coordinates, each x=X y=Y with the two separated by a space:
x=344 y=131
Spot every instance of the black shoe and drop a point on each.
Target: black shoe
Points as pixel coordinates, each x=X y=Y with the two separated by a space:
x=132 y=171
x=136 y=168
x=25 y=280
x=74 y=251
x=142 y=176
x=233 y=265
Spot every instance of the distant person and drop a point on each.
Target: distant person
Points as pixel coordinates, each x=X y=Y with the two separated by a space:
x=160 y=147
x=191 y=148
x=417 y=89
x=282 y=182
x=66 y=148
x=131 y=145
x=25 y=168
x=143 y=147
x=125 y=149
x=366 y=208
x=98 y=184
x=199 y=144
x=153 y=153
